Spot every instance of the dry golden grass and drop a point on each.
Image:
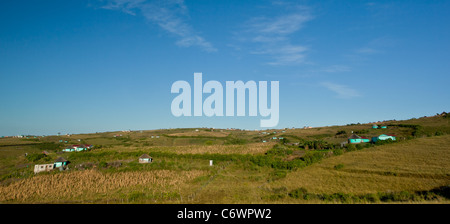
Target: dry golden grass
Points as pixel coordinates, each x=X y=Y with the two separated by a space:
x=420 y=164
x=92 y=184
x=201 y=133
x=251 y=148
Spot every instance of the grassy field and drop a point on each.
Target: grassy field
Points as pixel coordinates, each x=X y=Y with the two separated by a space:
x=305 y=166
x=417 y=165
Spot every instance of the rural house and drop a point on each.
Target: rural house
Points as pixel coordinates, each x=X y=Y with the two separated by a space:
x=77 y=148
x=145 y=158
x=365 y=139
x=357 y=139
x=60 y=162
x=383 y=137
x=375 y=126
x=43 y=167
x=354 y=139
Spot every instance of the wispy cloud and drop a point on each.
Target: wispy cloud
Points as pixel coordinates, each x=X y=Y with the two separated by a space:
x=272 y=35
x=342 y=91
x=170 y=15
x=336 y=69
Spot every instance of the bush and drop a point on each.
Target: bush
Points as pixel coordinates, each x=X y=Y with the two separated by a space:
x=342 y=132
x=278 y=174
x=279 y=150
x=351 y=147
x=373 y=198
x=35 y=157
x=299 y=193
x=102 y=164
x=338 y=152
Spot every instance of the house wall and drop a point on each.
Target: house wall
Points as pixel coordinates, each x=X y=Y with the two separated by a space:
x=386 y=137
x=354 y=140
x=145 y=160
x=58 y=164
x=43 y=167
x=383 y=137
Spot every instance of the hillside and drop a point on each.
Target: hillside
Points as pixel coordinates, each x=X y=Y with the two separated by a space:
x=272 y=166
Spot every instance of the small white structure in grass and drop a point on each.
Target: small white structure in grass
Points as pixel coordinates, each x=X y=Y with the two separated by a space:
x=43 y=167
x=145 y=158
x=210 y=162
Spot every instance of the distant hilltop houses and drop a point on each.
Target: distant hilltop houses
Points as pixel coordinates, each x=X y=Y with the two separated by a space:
x=77 y=148
x=355 y=139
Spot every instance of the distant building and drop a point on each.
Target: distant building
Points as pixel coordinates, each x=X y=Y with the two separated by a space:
x=375 y=126
x=60 y=162
x=354 y=139
x=43 y=167
x=384 y=137
x=384 y=127
x=77 y=148
x=145 y=158
x=365 y=139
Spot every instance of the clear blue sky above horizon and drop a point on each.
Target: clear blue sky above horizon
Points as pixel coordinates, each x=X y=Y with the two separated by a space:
x=86 y=66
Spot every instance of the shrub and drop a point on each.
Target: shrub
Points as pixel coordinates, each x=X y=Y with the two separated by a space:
x=342 y=132
x=351 y=147
x=35 y=157
x=278 y=174
x=299 y=193
x=103 y=164
x=279 y=150
x=338 y=152
x=373 y=198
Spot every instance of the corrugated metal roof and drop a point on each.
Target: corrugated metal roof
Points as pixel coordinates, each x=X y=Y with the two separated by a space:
x=354 y=137
x=60 y=159
x=145 y=156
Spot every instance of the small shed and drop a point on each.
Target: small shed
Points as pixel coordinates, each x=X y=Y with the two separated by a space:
x=384 y=127
x=60 y=161
x=145 y=158
x=375 y=126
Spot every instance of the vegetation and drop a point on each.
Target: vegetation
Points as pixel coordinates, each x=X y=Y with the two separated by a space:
x=304 y=166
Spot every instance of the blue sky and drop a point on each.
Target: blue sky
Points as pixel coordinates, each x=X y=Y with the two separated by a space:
x=86 y=66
